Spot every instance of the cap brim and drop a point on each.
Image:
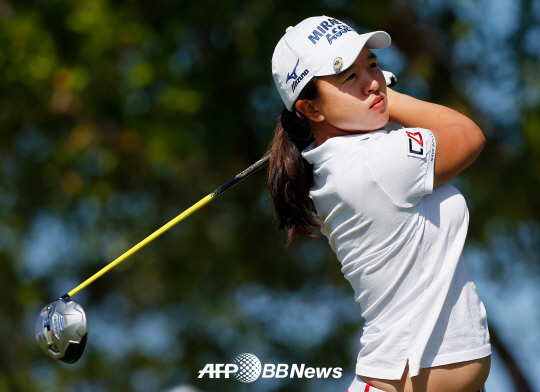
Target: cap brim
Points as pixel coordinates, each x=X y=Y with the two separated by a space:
x=350 y=49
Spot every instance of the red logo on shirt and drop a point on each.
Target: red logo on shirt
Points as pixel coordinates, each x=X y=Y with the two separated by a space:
x=417 y=137
x=416 y=148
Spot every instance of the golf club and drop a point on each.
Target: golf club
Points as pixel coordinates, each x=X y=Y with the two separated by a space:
x=61 y=327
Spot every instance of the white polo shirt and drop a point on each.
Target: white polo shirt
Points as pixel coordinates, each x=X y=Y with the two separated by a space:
x=400 y=244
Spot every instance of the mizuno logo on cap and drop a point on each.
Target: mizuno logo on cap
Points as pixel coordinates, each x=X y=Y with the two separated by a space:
x=297 y=79
x=292 y=75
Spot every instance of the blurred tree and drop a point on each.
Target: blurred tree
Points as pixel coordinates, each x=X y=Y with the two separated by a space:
x=117 y=115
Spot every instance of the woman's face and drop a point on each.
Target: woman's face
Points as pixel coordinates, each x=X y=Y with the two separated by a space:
x=355 y=99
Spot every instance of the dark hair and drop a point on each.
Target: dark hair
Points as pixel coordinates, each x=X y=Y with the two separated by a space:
x=290 y=175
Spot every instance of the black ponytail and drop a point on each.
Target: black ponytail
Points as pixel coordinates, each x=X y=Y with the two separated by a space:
x=290 y=175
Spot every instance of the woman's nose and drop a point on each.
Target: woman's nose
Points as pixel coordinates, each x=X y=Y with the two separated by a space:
x=371 y=84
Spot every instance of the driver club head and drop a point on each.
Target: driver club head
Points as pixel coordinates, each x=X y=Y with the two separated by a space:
x=62 y=330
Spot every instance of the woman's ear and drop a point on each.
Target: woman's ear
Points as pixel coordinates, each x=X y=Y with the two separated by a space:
x=308 y=110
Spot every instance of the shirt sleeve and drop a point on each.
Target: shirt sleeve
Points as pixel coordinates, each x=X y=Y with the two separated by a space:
x=402 y=164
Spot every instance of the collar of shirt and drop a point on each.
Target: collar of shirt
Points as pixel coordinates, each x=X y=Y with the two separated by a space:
x=316 y=154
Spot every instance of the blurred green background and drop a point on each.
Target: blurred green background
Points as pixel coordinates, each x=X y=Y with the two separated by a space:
x=115 y=116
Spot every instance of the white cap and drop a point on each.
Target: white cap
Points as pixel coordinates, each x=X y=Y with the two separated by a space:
x=317 y=46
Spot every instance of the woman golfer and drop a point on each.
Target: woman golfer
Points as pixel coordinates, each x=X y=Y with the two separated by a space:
x=383 y=201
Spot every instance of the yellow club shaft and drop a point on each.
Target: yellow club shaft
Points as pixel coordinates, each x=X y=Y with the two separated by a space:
x=144 y=242
x=256 y=166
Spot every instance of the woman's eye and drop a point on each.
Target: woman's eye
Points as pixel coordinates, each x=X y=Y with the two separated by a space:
x=351 y=76
x=374 y=65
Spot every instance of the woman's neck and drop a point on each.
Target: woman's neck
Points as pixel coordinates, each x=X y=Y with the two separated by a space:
x=324 y=131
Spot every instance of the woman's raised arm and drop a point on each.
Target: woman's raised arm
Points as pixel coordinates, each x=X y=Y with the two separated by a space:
x=459 y=140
